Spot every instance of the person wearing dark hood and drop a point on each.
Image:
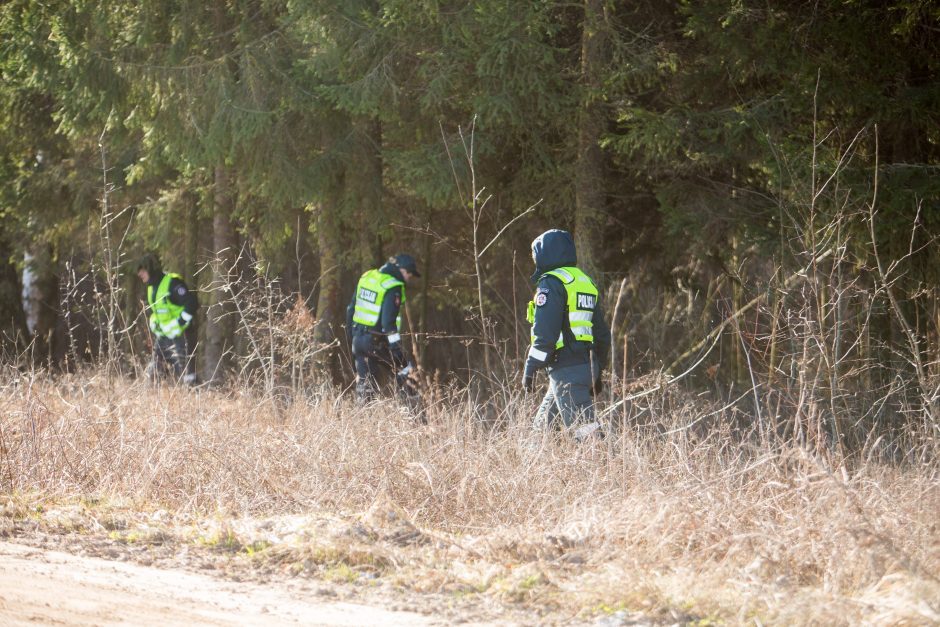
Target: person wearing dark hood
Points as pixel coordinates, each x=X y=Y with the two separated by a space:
x=374 y=320
x=172 y=307
x=570 y=337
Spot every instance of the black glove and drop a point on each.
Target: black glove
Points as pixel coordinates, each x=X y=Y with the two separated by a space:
x=398 y=356
x=528 y=381
x=598 y=386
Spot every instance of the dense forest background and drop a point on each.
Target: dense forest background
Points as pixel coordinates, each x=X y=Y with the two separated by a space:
x=754 y=184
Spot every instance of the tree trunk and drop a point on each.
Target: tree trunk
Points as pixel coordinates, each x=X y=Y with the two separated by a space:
x=41 y=303
x=420 y=342
x=366 y=189
x=196 y=230
x=330 y=314
x=300 y=274
x=12 y=318
x=189 y=217
x=220 y=322
x=590 y=190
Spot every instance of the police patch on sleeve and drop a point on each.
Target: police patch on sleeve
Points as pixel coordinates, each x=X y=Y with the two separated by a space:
x=181 y=290
x=540 y=299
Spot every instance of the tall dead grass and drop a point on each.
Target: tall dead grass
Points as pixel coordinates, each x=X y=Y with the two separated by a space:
x=663 y=498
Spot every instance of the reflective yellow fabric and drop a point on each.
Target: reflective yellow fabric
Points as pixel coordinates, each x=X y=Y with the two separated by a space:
x=164 y=315
x=370 y=293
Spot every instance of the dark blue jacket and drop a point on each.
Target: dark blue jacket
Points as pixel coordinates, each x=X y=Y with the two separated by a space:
x=555 y=249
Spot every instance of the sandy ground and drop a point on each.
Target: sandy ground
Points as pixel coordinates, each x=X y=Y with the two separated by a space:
x=47 y=587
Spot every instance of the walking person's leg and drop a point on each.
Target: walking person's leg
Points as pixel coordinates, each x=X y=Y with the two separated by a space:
x=365 y=367
x=160 y=358
x=191 y=334
x=546 y=418
x=177 y=357
x=573 y=398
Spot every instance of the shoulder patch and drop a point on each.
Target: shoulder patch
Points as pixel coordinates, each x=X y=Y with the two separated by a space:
x=540 y=299
x=397 y=299
x=541 y=290
x=181 y=290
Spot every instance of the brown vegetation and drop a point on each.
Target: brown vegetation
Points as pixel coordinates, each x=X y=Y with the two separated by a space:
x=665 y=517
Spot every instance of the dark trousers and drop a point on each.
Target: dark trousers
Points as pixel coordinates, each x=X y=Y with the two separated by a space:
x=569 y=400
x=174 y=356
x=373 y=362
x=375 y=365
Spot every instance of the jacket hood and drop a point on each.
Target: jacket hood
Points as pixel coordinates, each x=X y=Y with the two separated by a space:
x=553 y=249
x=391 y=269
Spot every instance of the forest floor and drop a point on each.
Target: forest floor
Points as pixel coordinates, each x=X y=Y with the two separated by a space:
x=56 y=569
x=122 y=502
x=91 y=563
x=71 y=589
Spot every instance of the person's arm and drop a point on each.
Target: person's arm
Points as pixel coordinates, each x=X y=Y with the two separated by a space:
x=601 y=333
x=551 y=304
x=388 y=320
x=602 y=343
x=186 y=298
x=350 y=312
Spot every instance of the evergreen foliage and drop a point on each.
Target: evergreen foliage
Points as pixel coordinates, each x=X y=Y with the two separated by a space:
x=735 y=140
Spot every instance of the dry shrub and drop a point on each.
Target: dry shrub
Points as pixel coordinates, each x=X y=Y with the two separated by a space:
x=661 y=499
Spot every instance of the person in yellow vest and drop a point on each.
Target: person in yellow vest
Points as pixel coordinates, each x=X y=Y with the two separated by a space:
x=570 y=337
x=171 y=308
x=374 y=320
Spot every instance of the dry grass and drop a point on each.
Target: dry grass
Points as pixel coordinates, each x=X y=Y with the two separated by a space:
x=684 y=525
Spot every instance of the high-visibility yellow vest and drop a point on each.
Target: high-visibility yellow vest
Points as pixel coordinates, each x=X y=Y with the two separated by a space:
x=370 y=293
x=582 y=301
x=165 y=315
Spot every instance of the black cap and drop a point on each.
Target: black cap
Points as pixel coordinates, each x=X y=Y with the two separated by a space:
x=406 y=262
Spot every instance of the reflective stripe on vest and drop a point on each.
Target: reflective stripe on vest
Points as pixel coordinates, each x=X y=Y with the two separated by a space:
x=370 y=294
x=581 y=295
x=164 y=315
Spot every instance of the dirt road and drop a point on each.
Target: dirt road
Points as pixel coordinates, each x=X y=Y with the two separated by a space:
x=39 y=586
